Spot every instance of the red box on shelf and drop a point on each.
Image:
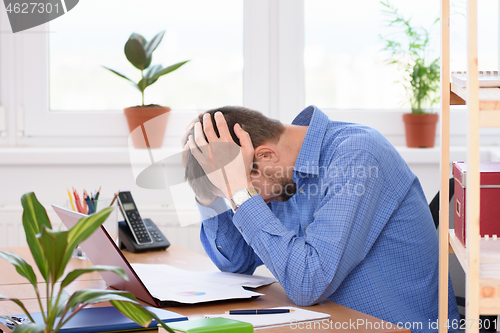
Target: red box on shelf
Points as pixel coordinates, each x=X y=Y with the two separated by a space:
x=489 y=211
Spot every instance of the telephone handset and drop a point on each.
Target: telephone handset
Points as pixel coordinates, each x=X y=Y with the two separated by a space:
x=135 y=233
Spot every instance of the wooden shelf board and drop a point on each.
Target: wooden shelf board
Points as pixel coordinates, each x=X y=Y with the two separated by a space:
x=489 y=272
x=489 y=98
x=489 y=256
x=455 y=99
x=458 y=248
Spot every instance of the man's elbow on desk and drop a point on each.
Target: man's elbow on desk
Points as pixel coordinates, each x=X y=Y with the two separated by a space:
x=302 y=298
x=306 y=293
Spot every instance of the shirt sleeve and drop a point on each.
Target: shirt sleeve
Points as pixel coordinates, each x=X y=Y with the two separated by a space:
x=311 y=267
x=223 y=242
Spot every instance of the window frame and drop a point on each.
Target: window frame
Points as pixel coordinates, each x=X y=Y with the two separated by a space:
x=273 y=83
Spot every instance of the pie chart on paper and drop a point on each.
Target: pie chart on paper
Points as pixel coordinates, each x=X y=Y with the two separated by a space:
x=191 y=293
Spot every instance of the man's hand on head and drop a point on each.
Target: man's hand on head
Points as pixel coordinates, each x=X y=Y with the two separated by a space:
x=226 y=164
x=206 y=193
x=184 y=142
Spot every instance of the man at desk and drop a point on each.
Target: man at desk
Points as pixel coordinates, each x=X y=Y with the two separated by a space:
x=329 y=207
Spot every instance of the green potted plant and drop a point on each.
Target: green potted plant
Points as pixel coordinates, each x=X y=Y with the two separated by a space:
x=51 y=251
x=409 y=48
x=139 y=53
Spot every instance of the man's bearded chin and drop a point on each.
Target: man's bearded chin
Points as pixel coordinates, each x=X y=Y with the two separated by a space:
x=288 y=189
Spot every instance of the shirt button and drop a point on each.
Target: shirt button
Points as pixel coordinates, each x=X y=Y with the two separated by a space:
x=241 y=230
x=219 y=247
x=211 y=217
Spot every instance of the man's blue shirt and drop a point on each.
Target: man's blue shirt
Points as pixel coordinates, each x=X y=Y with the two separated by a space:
x=358 y=232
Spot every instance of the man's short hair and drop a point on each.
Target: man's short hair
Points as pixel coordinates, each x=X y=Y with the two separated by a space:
x=260 y=128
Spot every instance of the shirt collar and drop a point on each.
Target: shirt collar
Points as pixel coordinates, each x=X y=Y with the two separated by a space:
x=308 y=159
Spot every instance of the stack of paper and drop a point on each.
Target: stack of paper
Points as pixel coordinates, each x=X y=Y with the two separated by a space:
x=276 y=320
x=174 y=284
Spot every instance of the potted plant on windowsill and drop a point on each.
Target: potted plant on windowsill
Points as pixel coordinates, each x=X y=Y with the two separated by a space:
x=139 y=52
x=421 y=77
x=52 y=251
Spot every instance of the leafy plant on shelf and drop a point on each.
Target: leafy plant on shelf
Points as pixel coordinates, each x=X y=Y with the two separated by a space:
x=139 y=52
x=51 y=251
x=409 y=48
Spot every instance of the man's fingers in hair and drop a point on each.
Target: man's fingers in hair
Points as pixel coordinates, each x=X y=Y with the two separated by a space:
x=200 y=157
x=186 y=133
x=245 y=140
x=208 y=128
x=199 y=138
x=222 y=127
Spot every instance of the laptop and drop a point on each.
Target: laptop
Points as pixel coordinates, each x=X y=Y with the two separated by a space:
x=101 y=249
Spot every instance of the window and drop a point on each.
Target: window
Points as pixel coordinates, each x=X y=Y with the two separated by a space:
x=344 y=67
x=488 y=26
x=95 y=32
x=66 y=92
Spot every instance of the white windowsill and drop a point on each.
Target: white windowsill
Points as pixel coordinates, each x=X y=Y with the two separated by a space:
x=120 y=155
x=76 y=156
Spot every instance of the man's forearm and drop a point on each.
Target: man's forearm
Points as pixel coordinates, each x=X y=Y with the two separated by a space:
x=223 y=242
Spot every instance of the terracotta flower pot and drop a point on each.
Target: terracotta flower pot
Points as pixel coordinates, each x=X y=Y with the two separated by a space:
x=147 y=125
x=420 y=129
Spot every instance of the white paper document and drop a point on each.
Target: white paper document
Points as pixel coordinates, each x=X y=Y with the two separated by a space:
x=278 y=319
x=234 y=279
x=169 y=283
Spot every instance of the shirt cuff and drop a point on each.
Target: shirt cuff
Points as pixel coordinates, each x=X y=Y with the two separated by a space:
x=251 y=217
x=216 y=208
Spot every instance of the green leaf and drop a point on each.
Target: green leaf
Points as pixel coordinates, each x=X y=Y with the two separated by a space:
x=134 y=51
x=91 y=296
x=55 y=246
x=119 y=74
x=83 y=229
x=134 y=311
x=138 y=314
x=34 y=218
x=153 y=43
x=147 y=80
x=86 y=226
x=167 y=70
x=152 y=71
x=123 y=76
x=140 y=38
x=99 y=268
x=61 y=303
x=18 y=302
x=148 y=62
x=143 y=84
x=22 y=267
x=150 y=46
x=29 y=328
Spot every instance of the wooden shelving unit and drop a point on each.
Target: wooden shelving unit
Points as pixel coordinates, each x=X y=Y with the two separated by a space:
x=480 y=258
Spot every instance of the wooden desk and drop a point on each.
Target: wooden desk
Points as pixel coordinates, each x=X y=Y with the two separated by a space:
x=13 y=285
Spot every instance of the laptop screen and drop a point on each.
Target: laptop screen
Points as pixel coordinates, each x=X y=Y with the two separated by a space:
x=102 y=250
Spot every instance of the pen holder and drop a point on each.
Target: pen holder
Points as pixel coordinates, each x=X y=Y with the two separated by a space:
x=110 y=224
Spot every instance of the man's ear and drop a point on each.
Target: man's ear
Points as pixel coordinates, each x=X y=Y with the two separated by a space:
x=266 y=153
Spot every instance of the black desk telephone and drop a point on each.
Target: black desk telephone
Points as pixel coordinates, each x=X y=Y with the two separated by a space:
x=135 y=233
